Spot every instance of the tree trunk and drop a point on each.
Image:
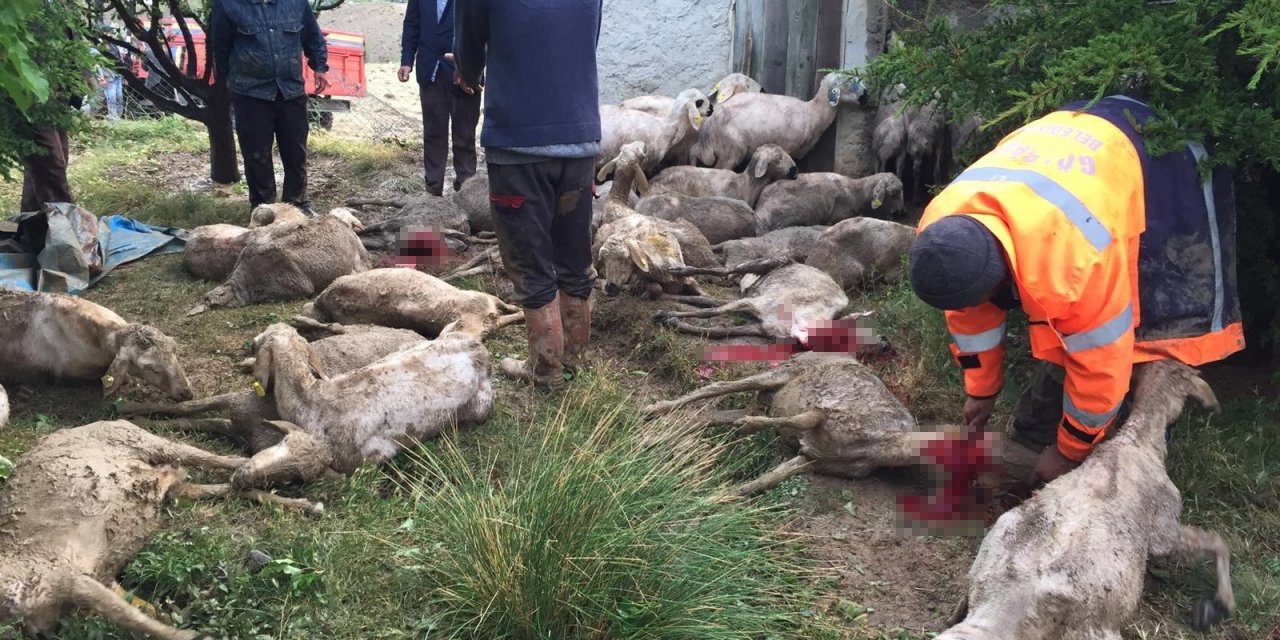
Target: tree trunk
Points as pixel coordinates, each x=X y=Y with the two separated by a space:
x=223 y=165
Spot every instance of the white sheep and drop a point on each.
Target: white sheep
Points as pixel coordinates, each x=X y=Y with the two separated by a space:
x=678 y=128
x=371 y=413
x=719 y=219
x=4 y=408
x=267 y=214
x=751 y=120
x=211 y=250
x=856 y=251
x=728 y=87
x=49 y=336
x=289 y=261
x=827 y=198
x=889 y=137
x=769 y=163
x=791 y=242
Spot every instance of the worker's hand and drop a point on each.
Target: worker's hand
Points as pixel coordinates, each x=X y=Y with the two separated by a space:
x=1051 y=465
x=322 y=82
x=457 y=76
x=403 y=73
x=977 y=411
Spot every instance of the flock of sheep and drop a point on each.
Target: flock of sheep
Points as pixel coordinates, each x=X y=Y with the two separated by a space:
x=382 y=358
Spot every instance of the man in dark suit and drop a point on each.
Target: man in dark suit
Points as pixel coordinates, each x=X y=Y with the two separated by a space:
x=427 y=40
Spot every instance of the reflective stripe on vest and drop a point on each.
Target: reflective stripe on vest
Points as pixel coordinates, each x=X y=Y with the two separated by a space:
x=1051 y=192
x=979 y=342
x=1101 y=335
x=1091 y=420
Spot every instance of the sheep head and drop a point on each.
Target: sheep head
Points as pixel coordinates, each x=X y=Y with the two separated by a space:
x=771 y=162
x=694 y=105
x=732 y=85
x=145 y=353
x=887 y=193
x=273 y=346
x=300 y=456
x=637 y=258
x=627 y=170
x=838 y=88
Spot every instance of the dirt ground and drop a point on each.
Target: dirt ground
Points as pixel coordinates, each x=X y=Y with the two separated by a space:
x=380 y=22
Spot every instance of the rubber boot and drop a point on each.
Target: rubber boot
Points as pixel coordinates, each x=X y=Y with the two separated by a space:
x=546 y=349
x=575 y=317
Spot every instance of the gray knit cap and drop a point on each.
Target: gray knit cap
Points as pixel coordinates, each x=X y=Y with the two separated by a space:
x=956 y=263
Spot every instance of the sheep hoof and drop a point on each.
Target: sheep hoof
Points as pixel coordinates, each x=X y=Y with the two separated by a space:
x=1208 y=612
x=197 y=310
x=660 y=316
x=316 y=509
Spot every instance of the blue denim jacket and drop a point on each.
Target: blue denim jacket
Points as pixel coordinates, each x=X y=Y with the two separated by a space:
x=258 y=46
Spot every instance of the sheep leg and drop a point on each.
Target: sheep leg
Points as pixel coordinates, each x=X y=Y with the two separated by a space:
x=792 y=467
x=202 y=491
x=746 y=331
x=759 y=267
x=509 y=319
x=767 y=380
x=221 y=402
x=696 y=301
x=303 y=323
x=1194 y=543
x=718 y=418
x=727 y=308
x=170 y=452
x=471 y=271
x=217 y=426
x=807 y=421
x=93 y=595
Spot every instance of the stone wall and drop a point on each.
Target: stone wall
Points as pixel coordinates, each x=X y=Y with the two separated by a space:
x=662 y=46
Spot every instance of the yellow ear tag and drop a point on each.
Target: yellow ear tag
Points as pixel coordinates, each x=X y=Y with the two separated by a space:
x=875 y=204
x=107 y=381
x=259 y=389
x=697 y=119
x=644 y=263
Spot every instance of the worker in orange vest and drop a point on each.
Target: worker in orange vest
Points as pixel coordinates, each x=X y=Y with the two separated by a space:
x=1116 y=255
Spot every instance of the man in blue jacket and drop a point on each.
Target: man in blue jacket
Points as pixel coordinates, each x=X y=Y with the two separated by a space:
x=541 y=137
x=257 y=49
x=427 y=40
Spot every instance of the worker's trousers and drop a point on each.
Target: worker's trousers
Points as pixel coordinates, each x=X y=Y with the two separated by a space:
x=44 y=175
x=447 y=107
x=259 y=125
x=1039 y=410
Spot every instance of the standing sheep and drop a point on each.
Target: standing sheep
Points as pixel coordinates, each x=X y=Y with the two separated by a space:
x=50 y=336
x=79 y=505
x=620 y=126
x=719 y=219
x=827 y=198
x=752 y=120
x=927 y=140
x=290 y=261
x=729 y=86
x=1069 y=562
x=769 y=164
x=856 y=250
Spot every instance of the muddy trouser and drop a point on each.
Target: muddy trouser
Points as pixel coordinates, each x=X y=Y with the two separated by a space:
x=1039 y=410
x=259 y=123
x=542 y=213
x=44 y=176
x=444 y=103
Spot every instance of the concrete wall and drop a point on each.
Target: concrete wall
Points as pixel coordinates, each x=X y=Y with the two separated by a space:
x=662 y=46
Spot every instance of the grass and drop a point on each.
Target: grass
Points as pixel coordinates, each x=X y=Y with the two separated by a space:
x=563 y=516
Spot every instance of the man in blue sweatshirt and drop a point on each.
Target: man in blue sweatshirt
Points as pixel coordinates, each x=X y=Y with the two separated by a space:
x=427 y=41
x=541 y=136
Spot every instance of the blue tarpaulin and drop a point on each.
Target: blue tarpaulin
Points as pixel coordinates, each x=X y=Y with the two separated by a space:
x=65 y=249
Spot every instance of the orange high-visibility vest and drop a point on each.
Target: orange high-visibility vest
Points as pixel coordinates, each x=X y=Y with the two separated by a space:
x=1118 y=257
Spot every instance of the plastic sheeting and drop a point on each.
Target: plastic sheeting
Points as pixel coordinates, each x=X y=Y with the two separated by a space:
x=65 y=249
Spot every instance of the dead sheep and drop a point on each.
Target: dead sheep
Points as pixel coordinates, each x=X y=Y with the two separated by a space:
x=427 y=212
x=1070 y=562
x=55 y=337
x=719 y=219
x=4 y=408
x=751 y=120
x=79 y=505
x=676 y=129
x=638 y=253
x=827 y=198
x=371 y=413
x=785 y=298
x=791 y=242
x=627 y=168
x=769 y=164
x=832 y=408
x=211 y=250
x=858 y=251
x=473 y=201
x=290 y=261
x=409 y=299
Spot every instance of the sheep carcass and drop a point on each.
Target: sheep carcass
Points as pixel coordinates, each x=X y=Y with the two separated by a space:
x=719 y=219
x=79 y=505
x=791 y=242
x=1069 y=562
x=210 y=251
x=371 y=413
x=787 y=301
x=827 y=198
x=473 y=201
x=410 y=299
x=843 y=419
x=290 y=261
x=49 y=336
x=856 y=250
x=769 y=164
x=428 y=212
x=752 y=120
x=4 y=408
x=660 y=135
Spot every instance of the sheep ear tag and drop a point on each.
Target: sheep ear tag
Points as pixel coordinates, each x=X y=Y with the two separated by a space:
x=875 y=204
x=259 y=390
x=833 y=96
x=697 y=119
x=107 y=381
